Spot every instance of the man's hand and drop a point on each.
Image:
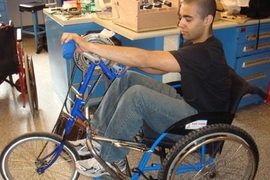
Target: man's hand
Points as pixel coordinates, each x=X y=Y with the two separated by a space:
x=81 y=44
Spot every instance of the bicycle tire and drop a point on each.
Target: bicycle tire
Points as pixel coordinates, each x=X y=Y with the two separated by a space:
x=228 y=162
x=31 y=85
x=21 y=158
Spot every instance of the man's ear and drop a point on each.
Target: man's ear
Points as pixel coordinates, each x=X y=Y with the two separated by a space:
x=209 y=19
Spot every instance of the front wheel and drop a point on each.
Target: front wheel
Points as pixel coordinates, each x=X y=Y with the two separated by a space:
x=217 y=151
x=22 y=158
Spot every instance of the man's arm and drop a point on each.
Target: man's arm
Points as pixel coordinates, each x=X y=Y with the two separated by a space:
x=154 y=62
x=152 y=71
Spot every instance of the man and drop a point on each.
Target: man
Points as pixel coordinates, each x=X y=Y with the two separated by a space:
x=134 y=98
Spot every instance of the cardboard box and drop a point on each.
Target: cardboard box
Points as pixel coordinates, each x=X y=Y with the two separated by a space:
x=127 y=13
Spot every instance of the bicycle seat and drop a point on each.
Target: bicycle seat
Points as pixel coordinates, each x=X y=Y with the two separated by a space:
x=239 y=88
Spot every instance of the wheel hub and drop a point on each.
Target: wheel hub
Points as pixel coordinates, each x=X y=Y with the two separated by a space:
x=40 y=164
x=209 y=171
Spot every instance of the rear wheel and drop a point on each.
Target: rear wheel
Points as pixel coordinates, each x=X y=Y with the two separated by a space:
x=218 y=151
x=31 y=84
x=25 y=155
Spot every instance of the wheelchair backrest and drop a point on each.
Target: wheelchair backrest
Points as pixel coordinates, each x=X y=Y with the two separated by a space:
x=9 y=63
x=239 y=88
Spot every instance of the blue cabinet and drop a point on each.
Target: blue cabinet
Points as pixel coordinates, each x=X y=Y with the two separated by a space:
x=247 y=49
x=61 y=69
x=3 y=12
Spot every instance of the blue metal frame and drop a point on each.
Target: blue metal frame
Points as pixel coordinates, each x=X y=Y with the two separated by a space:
x=76 y=112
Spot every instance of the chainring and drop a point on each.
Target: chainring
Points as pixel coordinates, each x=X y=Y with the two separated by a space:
x=84 y=63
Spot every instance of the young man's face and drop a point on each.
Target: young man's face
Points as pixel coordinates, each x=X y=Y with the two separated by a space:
x=191 y=24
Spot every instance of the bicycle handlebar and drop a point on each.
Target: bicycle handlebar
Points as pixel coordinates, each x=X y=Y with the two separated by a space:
x=117 y=69
x=68 y=49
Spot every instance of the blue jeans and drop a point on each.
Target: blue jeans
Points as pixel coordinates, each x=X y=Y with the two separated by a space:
x=129 y=102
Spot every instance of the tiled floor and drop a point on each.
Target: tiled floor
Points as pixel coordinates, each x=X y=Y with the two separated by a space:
x=16 y=120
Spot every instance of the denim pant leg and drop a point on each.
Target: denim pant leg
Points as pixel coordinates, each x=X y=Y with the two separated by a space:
x=141 y=99
x=110 y=100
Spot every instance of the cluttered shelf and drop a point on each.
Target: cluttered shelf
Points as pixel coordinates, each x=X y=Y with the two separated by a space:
x=132 y=35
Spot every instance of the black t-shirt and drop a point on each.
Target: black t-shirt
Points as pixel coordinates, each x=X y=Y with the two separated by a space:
x=204 y=75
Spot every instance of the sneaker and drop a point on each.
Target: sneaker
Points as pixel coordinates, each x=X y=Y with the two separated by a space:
x=92 y=168
x=82 y=149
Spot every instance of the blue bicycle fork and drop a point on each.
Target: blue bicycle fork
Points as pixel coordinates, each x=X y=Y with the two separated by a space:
x=75 y=112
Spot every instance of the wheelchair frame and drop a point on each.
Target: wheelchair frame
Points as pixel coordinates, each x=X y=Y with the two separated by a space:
x=26 y=83
x=62 y=148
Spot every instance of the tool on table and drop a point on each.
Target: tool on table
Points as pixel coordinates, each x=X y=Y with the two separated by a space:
x=156 y=4
x=165 y=2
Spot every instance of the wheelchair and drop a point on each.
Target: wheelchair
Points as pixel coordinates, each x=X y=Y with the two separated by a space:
x=15 y=61
x=212 y=140
x=208 y=147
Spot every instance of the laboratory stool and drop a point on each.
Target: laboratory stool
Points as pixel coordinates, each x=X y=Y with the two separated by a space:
x=36 y=30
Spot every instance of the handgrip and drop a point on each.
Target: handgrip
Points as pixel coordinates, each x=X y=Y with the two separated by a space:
x=68 y=49
x=118 y=70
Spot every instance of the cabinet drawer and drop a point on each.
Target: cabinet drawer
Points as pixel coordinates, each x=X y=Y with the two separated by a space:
x=247 y=39
x=253 y=64
x=250 y=48
x=249 y=33
x=258 y=79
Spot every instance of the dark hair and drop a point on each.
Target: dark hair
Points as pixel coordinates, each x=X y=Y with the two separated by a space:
x=205 y=7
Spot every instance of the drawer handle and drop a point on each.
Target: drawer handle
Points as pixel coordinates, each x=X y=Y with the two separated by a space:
x=261 y=36
x=253 y=47
x=256 y=62
x=255 y=77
